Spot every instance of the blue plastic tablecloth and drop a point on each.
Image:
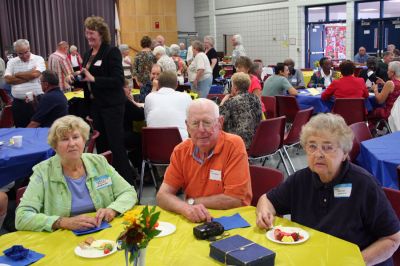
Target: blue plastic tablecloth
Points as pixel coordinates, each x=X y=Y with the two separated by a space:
x=381 y=156
x=17 y=163
x=306 y=100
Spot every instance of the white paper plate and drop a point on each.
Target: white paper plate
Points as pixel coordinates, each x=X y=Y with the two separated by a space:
x=93 y=252
x=165 y=228
x=304 y=234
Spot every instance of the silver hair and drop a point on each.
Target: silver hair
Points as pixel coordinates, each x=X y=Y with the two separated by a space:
x=238 y=38
x=395 y=67
x=159 y=50
x=203 y=102
x=21 y=42
x=123 y=47
x=210 y=39
x=174 y=49
x=73 y=48
x=330 y=124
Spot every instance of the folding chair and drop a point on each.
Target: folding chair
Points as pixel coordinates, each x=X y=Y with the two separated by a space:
x=108 y=155
x=216 y=97
x=361 y=132
x=6 y=117
x=157 y=146
x=263 y=179
x=287 y=106
x=270 y=106
x=292 y=137
x=5 y=97
x=92 y=141
x=268 y=140
x=351 y=109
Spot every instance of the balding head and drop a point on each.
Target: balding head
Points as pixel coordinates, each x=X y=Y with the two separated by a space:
x=63 y=47
x=161 y=40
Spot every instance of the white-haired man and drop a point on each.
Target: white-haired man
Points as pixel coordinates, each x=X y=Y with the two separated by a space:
x=23 y=74
x=59 y=63
x=211 y=167
x=166 y=62
x=161 y=42
x=238 y=48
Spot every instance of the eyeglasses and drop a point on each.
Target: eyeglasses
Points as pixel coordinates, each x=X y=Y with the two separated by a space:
x=207 y=124
x=326 y=148
x=23 y=53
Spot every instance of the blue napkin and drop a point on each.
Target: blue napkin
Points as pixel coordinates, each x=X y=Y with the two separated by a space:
x=102 y=226
x=19 y=256
x=232 y=222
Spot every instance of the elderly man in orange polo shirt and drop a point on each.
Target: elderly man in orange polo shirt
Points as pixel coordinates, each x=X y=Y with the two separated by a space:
x=211 y=167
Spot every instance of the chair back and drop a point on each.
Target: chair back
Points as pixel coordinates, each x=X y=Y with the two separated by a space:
x=108 y=155
x=268 y=137
x=270 y=106
x=19 y=194
x=6 y=117
x=92 y=141
x=301 y=118
x=287 y=106
x=159 y=142
x=394 y=199
x=5 y=97
x=216 y=97
x=351 y=109
x=263 y=179
x=361 y=132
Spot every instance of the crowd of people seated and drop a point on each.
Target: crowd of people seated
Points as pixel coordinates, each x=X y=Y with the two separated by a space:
x=210 y=165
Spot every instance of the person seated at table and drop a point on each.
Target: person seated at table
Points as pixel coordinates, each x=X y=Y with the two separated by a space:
x=388 y=95
x=241 y=110
x=347 y=86
x=152 y=84
x=382 y=67
x=278 y=83
x=71 y=183
x=333 y=195
x=52 y=104
x=323 y=77
x=211 y=167
x=361 y=57
x=295 y=76
x=369 y=74
x=244 y=64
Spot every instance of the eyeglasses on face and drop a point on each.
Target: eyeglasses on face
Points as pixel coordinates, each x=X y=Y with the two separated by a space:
x=326 y=148
x=23 y=53
x=207 y=124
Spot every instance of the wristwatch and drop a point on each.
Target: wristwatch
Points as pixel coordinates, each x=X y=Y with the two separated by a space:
x=190 y=201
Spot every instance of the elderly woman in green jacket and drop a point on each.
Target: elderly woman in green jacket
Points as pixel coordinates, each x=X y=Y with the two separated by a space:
x=65 y=187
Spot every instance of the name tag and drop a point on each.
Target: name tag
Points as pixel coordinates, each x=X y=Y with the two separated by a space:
x=215 y=175
x=98 y=63
x=342 y=190
x=102 y=182
x=294 y=80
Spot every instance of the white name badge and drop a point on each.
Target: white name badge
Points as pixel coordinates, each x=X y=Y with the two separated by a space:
x=98 y=63
x=342 y=190
x=215 y=175
x=102 y=182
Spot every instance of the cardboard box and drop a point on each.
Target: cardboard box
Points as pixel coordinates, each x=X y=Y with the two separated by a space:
x=237 y=250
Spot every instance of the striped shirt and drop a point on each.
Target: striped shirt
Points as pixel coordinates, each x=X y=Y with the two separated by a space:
x=16 y=65
x=58 y=63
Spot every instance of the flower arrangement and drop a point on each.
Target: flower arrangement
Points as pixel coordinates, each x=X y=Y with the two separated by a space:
x=139 y=228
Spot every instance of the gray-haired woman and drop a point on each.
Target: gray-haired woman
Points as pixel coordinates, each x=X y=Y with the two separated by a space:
x=212 y=55
x=200 y=72
x=333 y=195
x=126 y=63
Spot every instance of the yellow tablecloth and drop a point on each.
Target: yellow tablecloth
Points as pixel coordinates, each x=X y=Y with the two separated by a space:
x=181 y=248
x=79 y=94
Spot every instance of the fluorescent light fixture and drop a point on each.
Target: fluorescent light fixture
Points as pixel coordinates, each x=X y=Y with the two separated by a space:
x=393 y=1
x=368 y=9
x=316 y=8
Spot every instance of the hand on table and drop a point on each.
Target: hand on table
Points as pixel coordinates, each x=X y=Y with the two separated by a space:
x=264 y=219
x=105 y=214
x=197 y=213
x=80 y=222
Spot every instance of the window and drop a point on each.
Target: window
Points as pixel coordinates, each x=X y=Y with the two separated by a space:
x=317 y=14
x=368 y=10
x=337 y=12
x=391 y=8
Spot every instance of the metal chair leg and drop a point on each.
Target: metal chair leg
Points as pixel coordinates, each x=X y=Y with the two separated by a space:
x=141 y=180
x=284 y=162
x=153 y=176
x=290 y=161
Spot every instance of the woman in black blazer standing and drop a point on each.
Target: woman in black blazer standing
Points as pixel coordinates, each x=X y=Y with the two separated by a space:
x=102 y=77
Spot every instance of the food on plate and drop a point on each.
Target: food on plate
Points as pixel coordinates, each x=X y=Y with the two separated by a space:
x=287 y=236
x=90 y=242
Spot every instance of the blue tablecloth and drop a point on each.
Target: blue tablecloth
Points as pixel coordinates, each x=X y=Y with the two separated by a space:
x=306 y=100
x=381 y=156
x=17 y=163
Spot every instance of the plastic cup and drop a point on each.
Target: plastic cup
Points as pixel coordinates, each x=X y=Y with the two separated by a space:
x=17 y=141
x=29 y=95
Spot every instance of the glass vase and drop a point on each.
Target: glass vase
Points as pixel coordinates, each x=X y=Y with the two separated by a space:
x=140 y=260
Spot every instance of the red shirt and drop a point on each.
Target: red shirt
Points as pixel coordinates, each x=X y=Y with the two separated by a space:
x=346 y=87
x=255 y=85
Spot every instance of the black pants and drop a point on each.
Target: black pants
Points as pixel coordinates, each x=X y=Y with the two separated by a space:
x=109 y=122
x=22 y=112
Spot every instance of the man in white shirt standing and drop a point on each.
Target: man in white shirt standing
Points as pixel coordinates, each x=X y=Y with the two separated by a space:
x=59 y=63
x=167 y=107
x=23 y=74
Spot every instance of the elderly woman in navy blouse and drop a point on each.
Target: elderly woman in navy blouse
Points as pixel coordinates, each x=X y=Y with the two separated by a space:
x=333 y=195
